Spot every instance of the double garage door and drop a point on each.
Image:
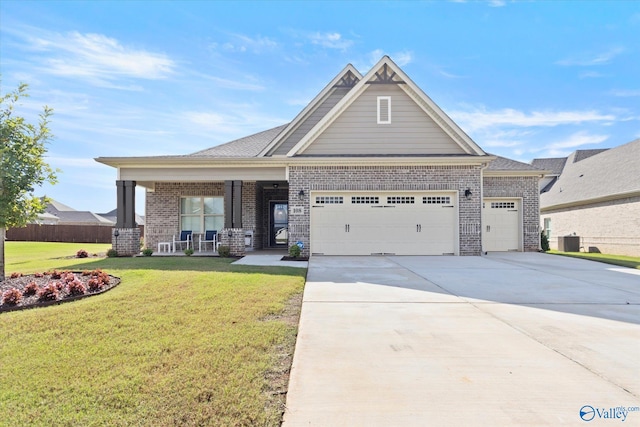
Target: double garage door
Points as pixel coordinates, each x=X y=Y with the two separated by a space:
x=400 y=223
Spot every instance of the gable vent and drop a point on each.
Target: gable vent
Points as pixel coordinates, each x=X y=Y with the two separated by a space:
x=384 y=110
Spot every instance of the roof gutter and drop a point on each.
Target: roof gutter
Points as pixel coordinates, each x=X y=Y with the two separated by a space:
x=607 y=198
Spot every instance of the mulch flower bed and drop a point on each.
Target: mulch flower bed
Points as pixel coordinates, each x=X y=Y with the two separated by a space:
x=53 y=287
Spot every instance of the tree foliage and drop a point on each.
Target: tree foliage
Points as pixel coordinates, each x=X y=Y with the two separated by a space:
x=22 y=166
x=22 y=163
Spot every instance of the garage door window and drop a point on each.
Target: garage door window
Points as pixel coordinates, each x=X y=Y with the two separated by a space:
x=329 y=200
x=400 y=200
x=366 y=200
x=436 y=200
x=503 y=205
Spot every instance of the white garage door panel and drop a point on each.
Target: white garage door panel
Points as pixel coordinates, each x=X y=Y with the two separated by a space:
x=501 y=228
x=365 y=228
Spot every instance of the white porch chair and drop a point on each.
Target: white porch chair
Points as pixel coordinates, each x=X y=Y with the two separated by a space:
x=186 y=238
x=210 y=236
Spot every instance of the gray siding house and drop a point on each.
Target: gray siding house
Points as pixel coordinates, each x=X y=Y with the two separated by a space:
x=596 y=195
x=371 y=166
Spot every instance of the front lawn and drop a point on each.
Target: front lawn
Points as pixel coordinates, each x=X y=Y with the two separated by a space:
x=181 y=341
x=622 y=260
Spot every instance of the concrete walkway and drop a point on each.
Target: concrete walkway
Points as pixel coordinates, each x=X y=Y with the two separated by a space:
x=269 y=258
x=503 y=340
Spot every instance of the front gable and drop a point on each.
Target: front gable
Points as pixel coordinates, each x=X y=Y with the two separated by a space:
x=385 y=113
x=383 y=120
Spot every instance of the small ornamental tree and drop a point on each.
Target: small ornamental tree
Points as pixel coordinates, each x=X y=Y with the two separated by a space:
x=22 y=165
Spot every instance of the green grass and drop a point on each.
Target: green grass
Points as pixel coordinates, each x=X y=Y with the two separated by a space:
x=181 y=341
x=621 y=260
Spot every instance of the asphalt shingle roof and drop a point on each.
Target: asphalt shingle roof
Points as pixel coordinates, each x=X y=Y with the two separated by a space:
x=553 y=165
x=504 y=164
x=610 y=172
x=249 y=146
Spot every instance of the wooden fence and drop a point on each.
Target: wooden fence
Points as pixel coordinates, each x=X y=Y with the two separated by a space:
x=63 y=233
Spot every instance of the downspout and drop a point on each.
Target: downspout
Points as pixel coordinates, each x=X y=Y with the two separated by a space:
x=486 y=165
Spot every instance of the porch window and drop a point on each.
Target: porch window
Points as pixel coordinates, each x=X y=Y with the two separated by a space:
x=201 y=213
x=547 y=227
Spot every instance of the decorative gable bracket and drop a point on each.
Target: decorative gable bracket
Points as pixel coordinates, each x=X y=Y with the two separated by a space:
x=383 y=77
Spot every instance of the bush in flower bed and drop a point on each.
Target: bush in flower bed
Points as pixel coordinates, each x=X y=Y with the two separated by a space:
x=76 y=287
x=82 y=254
x=11 y=297
x=35 y=288
x=31 y=289
x=16 y=275
x=49 y=292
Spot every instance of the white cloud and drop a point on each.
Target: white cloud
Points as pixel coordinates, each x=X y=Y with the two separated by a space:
x=242 y=43
x=578 y=139
x=96 y=58
x=401 y=58
x=625 y=92
x=244 y=120
x=590 y=59
x=482 y=118
x=330 y=40
x=590 y=75
x=497 y=3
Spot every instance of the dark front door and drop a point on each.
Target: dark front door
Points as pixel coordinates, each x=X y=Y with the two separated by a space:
x=279 y=224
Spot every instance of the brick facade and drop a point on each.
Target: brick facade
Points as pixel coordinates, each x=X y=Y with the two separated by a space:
x=611 y=227
x=127 y=243
x=388 y=178
x=162 y=210
x=525 y=188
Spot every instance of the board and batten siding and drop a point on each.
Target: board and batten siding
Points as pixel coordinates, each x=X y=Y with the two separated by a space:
x=356 y=131
x=309 y=122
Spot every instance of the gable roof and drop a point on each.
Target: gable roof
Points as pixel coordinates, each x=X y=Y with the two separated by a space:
x=505 y=164
x=608 y=175
x=387 y=69
x=338 y=87
x=553 y=165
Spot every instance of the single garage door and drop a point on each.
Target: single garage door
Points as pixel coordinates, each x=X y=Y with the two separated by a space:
x=501 y=228
x=384 y=223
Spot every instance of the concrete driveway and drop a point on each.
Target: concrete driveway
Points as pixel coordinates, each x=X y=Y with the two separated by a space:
x=502 y=340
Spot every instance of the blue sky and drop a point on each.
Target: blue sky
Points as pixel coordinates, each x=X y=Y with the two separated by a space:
x=524 y=79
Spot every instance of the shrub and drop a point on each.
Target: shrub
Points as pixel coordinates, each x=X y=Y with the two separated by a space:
x=86 y=273
x=544 y=242
x=16 y=275
x=82 y=254
x=59 y=285
x=112 y=253
x=188 y=252
x=69 y=277
x=294 y=251
x=55 y=274
x=147 y=252
x=76 y=287
x=30 y=289
x=94 y=284
x=11 y=297
x=48 y=293
x=224 y=251
x=39 y=274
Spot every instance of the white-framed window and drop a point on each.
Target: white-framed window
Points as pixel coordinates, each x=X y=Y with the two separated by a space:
x=547 y=227
x=201 y=213
x=384 y=110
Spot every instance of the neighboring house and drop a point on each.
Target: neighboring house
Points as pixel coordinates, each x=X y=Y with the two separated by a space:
x=113 y=217
x=372 y=165
x=69 y=216
x=595 y=194
x=47 y=219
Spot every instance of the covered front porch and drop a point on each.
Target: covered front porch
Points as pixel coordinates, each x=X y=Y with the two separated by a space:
x=245 y=215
